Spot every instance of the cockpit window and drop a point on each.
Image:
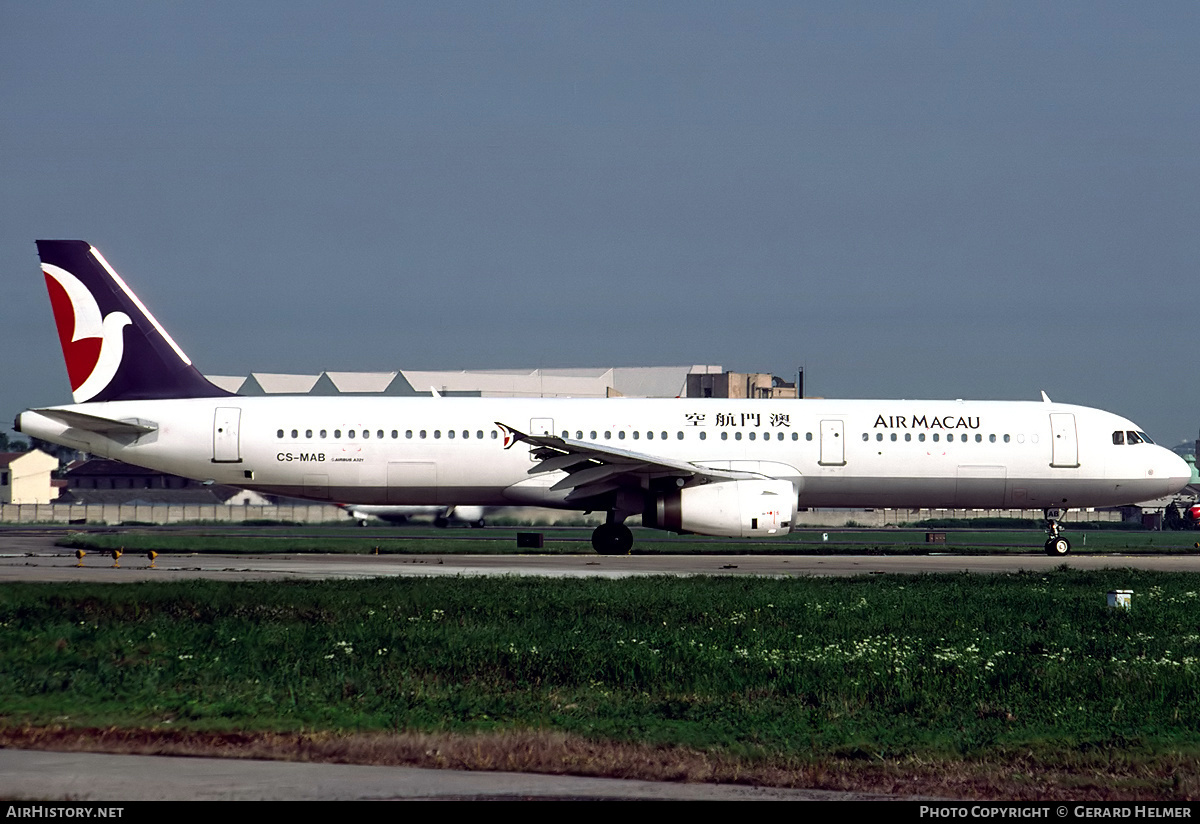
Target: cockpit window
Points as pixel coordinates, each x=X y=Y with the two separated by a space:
x=1145 y=438
x=1132 y=437
x=1118 y=438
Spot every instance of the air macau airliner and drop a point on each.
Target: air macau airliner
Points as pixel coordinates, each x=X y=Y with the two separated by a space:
x=735 y=468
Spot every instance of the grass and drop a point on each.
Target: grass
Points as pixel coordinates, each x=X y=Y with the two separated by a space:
x=1026 y=674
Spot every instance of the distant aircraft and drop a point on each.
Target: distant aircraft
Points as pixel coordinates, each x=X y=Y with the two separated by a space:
x=442 y=516
x=737 y=468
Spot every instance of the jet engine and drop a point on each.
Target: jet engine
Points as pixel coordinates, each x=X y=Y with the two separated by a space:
x=728 y=509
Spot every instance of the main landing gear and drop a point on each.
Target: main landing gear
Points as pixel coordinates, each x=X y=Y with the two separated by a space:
x=612 y=537
x=1057 y=546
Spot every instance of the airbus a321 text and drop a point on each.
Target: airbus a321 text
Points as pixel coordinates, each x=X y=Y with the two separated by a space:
x=737 y=468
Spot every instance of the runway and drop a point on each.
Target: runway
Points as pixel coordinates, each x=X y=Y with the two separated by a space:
x=97 y=777
x=35 y=558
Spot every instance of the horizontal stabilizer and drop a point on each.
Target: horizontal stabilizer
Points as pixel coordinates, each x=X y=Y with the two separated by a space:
x=97 y=424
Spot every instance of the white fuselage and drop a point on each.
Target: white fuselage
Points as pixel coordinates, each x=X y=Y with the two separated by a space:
x=837 y=453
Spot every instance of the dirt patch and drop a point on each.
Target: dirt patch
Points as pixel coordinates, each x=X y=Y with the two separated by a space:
x=558 y=754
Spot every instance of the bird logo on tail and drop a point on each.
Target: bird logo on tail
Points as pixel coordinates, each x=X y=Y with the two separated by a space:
x=92 y=345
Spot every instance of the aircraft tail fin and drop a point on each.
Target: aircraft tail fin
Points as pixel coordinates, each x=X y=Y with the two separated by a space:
x=106 y=361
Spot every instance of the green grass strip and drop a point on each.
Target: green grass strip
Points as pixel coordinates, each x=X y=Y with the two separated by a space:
x=760 y=669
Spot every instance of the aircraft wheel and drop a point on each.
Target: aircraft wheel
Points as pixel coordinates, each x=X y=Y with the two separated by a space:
x=478 y=524
x=1058 y=547
x=612 y=539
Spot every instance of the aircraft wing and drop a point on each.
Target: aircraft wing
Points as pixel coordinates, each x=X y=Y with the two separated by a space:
x=593 y=469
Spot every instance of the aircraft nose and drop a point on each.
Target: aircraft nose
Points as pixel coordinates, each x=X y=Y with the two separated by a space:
x=1174 y=470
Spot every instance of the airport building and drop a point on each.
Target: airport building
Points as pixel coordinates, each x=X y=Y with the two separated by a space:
x=25 y=477
x=698 y=381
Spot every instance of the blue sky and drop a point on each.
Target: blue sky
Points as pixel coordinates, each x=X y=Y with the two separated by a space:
x=977 y=200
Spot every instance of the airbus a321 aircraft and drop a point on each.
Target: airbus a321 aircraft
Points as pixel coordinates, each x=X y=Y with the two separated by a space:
x=737 y=468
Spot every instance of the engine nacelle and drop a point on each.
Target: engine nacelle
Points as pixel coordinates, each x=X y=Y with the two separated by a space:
x=727 y=509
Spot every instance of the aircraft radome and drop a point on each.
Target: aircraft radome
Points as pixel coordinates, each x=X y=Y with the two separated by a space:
x=737 y=468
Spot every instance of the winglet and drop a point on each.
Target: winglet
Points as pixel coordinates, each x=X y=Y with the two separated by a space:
x=511 y=436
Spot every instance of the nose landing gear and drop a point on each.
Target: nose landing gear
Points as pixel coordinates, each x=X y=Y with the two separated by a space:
x=1057 y=546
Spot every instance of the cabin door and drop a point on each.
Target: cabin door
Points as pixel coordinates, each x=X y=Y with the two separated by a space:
x=540 y=426
x=833 y=444
x=227 y=442
x=1065 y=449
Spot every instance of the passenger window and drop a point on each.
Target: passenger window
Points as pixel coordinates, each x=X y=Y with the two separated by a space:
x=279 y=434
x=437 y=433
x=664 y=435
x=724 y=436
x=366 y=434
x=1006 y=438
x=450 y=433
x=751 y=436
x=479 y=434
x=308 y=433
x=350 y=434
x=893 y=436
x=679 y=435
x=408 y=433
x=992 y=438
x=978 y=439
x=703 y=436
x=808 y=436
x=737 y=436
x=921 y=437
x=621 y=435
x=866 y=437
x=908 y=436
x=324 y=434
x=379 y=434
x=879 y=436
